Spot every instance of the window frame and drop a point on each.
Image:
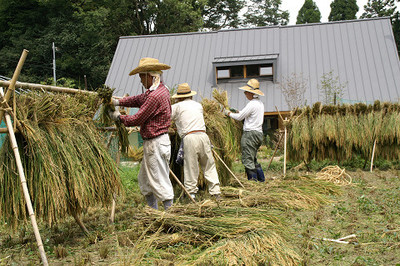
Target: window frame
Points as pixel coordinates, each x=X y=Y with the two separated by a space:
x=233 y=61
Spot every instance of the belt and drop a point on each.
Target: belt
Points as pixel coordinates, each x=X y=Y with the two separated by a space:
x=195 y=131
x=155 y=136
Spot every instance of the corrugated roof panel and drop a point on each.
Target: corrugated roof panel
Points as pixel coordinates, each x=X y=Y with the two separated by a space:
x=348 y=63
x=311 y=95
x=379 y=65
x=392 y=66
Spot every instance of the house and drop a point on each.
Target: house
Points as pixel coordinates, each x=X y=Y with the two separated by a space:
x=361 y=53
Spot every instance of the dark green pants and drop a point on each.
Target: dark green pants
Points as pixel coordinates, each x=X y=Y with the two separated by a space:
x=250 y=142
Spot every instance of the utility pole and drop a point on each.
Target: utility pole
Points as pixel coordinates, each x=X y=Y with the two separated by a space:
x=54 y=65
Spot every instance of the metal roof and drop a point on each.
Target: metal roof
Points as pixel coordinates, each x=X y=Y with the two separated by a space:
x=362 y=53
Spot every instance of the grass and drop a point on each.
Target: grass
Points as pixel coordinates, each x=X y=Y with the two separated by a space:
x=368 y=209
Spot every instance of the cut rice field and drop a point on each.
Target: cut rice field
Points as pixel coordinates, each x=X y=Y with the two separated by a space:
x=281 y=222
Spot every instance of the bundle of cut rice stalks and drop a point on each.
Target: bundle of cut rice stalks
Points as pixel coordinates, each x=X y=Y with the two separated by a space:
x=336 y=175
x=105 y=93
x=303 y=192
x=66 y=165
x=341 y=132
x=224 y=132
x=231 y=235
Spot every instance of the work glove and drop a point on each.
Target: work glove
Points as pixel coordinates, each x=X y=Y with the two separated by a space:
x=114 y=115
x=226 y=112
x=114 y=102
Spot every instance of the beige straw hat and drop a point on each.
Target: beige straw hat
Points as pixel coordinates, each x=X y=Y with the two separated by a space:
x=184 y=91
x=147 y=64
x=252 y=86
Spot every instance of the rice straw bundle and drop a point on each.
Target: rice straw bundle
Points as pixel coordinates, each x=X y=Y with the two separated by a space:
x=105 y=93
x=254 y=248
x=342 y=132
x=224 y=133
x=66 y=165
x=301 y=193
x=336 y=175
x=136 y=154
x=221 y=97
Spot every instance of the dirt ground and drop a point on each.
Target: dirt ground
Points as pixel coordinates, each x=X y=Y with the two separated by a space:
x=369 y=209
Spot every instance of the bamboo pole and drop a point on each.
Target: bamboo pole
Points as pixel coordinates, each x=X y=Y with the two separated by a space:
x=10 y=111
x=372 y=157
x=182 y=186
x=219 y=158
x=11 y=83
x=284 y=149
x=114 y=201
x=276 y=149
x=34 y=86
x=25 y=189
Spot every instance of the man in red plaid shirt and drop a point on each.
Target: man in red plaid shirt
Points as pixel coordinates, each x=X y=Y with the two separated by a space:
x=154 y=119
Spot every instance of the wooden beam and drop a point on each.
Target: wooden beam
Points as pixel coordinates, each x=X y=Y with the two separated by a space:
x=34 y=86
x=276 y=113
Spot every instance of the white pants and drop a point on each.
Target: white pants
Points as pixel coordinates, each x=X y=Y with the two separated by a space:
x=154 y=171
x=197 y=149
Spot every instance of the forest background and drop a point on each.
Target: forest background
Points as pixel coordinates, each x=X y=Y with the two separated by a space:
x=86 y=32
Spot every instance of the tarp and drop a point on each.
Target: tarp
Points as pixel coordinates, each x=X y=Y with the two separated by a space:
x=2 y=135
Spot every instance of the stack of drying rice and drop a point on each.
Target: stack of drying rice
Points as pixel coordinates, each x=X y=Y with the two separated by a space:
x=340 y=132
x=66 y=165
x=245 y=228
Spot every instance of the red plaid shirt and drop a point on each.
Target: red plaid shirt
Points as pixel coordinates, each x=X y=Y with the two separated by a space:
x=154 y=115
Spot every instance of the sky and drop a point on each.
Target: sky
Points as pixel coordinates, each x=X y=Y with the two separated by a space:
x=293 y=6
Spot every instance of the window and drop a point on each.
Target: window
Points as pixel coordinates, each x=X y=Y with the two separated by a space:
x=245 y=71
x=266 y=70
x=230 y=72
x=223 y=73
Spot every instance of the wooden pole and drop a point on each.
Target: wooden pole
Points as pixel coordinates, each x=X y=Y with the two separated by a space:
x=372 y=157
x=219 y=158
x=25 y=189
x=182 y=186
x=11 y=83
x=284 y=149
x=114 y=201
x=276 y=149
x=34 y=86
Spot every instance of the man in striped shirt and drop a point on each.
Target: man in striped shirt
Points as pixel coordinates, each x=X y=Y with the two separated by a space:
x=154 y=119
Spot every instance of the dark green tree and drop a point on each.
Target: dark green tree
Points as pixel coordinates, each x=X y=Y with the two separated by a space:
x=308 y=13
x=265 y=12
x=343 y=10
x=379 y=8
x=221 y=14
x=384 y=8
x=396 y=29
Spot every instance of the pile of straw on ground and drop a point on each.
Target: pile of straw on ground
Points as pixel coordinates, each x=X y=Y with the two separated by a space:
x=245 y=227
x=340 y=132
x=66 y=165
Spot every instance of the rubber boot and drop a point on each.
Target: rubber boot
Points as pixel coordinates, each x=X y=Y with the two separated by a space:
x=260 y=173
x=251 y=174
x=152 y=201
x=167 y=204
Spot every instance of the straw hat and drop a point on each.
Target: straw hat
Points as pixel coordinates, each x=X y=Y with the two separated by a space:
x=253 y=86
x=184 y=91
x=147 y=64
